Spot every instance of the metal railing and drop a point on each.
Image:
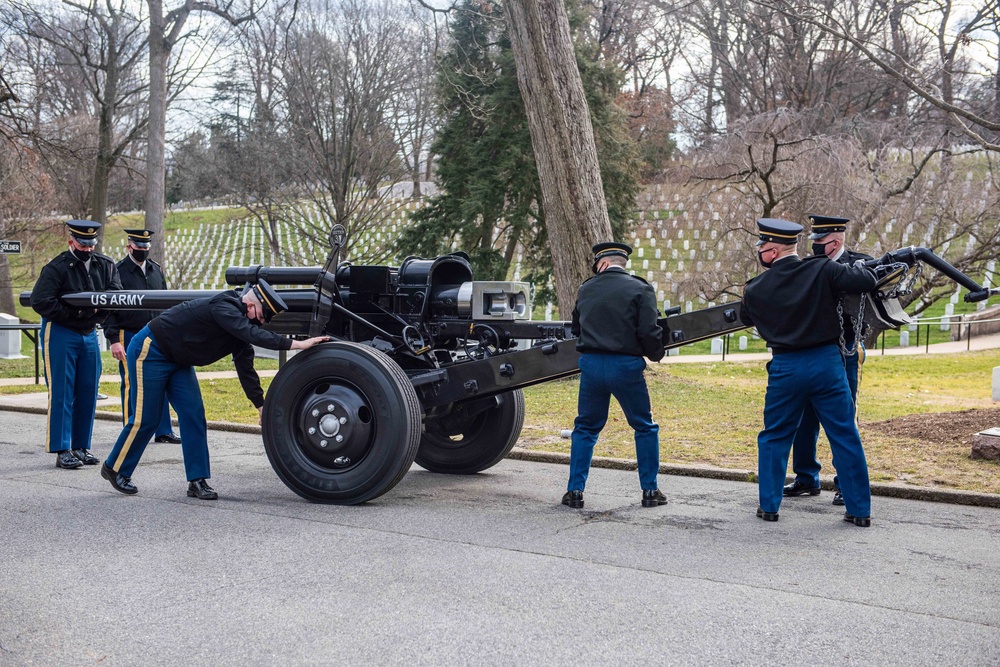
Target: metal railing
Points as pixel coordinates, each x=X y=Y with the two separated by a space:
x=924 y=324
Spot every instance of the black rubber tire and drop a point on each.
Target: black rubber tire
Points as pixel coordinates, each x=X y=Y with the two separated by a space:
x=391 y=432
x=480 y=443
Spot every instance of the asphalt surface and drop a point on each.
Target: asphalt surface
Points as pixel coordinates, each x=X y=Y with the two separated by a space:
x=486 y=569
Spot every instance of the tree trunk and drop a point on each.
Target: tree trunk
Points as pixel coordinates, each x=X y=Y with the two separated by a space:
x=159 y=52
x=105 y=139
x=562 y=136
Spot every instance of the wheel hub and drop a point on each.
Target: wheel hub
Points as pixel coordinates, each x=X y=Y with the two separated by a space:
x=336 y=426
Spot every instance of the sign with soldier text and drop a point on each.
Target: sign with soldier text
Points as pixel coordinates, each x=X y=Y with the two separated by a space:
x=10 y=247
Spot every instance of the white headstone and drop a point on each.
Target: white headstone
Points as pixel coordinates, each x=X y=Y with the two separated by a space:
x=743 y=342
x=904 y=338
x=10 y=339
x=673 y=352
x=716 y=346
x=996 y=383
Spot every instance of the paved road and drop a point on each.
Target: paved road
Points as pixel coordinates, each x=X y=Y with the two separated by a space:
x=487 y=569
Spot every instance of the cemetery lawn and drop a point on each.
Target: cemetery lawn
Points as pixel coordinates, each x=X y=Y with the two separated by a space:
x=917 y=413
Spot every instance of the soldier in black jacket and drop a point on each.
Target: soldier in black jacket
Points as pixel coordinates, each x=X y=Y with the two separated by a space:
x=794 y=307
x=828 y=237
x=163 y=356
x=615 y=322
x=137 y=272
x=69 y=342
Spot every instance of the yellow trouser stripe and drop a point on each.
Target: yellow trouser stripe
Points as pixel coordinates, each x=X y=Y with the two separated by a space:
x=48 y=384
x=124 y=364
x=138 y=405
x=862 y=354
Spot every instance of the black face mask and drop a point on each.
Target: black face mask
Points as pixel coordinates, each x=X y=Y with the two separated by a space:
x=140 y=255
x=766 y=265
x=83 y=256
x=820 y=248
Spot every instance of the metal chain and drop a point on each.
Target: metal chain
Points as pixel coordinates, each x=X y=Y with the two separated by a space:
x=858 y=326
x=901 y=289
x=913 y=279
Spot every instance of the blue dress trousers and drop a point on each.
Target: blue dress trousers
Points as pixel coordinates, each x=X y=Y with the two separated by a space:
x=157 y=381
x=811 y=377
x=164 y=426
x=72 y=374
x=804 y=461
x=601 y=377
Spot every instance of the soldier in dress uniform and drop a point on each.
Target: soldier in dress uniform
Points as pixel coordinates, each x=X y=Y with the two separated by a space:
x=794 y=307
x=615 y=324
x=137 y=272
x=162 y=356
x=828 y=238
x=70 y=347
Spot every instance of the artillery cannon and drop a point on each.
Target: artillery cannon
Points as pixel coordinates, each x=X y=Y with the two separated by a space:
x=426 y=365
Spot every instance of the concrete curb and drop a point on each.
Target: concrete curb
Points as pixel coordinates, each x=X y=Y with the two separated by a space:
x=952 y=496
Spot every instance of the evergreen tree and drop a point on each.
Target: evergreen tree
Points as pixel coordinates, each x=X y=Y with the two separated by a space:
x=490 y=198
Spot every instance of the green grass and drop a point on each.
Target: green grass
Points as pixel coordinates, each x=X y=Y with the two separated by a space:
x=175 y=221
x=711 y=414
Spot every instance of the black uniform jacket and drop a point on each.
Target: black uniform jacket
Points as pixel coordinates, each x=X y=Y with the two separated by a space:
x=794 y=303
x=65 y=275
x=616 y=312
x=202 y=331
x=133 y=278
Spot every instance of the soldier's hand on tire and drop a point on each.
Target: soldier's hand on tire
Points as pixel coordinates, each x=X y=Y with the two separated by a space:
x=308 y=342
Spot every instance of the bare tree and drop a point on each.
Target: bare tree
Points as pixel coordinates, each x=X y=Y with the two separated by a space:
x=24 y=188
x=253 y=152
x=98 y=45
x=166 y=30
x=934 y=81
x=345 y=65
x=412 y=108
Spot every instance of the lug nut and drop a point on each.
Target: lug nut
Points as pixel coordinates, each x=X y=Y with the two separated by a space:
x=312 y=431
x=323 y=443
x=329 y=408
x=343 y=420
x=339 y=438
x=315 y=413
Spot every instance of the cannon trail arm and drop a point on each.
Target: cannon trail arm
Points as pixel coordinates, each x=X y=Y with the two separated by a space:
x=912 y=255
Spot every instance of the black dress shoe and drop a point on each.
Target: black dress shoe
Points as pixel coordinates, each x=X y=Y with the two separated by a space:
x=838 y=498
x=653 y=498
x=121 y=483
x=767 y=516
x=168 y=438
x=797 y=488
x=199 y=488
x=573 y=499
x=863 y=521
x=85 y=456
x=65 y=459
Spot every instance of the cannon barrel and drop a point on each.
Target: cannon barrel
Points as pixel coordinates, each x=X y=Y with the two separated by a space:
x=298 y=300
x=276 y=275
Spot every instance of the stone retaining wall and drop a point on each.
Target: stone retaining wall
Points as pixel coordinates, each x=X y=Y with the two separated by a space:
x=993 y=313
